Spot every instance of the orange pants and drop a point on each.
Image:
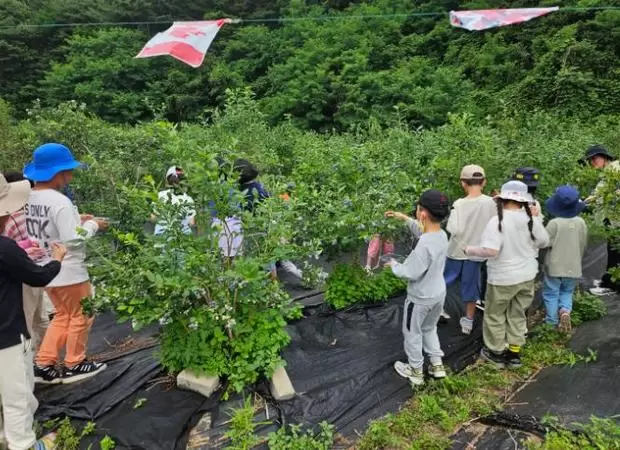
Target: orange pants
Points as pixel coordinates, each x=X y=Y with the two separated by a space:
x=69 y=328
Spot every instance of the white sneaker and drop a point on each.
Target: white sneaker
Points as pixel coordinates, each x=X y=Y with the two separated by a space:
x=415 y=376
x=601 y=291
x=466 y=325
x=437 y=371
x=480 y=305
x=597 y=283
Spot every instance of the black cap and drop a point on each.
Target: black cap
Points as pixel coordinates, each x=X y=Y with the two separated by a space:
x=598 y=150
x=436 y=203
x=528 y=175
x=247 y=171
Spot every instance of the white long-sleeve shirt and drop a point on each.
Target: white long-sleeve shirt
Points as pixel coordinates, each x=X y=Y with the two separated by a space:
x=515 y=261
x=51 y=217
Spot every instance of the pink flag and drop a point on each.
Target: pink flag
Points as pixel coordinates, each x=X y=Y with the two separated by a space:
x=489 y=18
x=186 y=41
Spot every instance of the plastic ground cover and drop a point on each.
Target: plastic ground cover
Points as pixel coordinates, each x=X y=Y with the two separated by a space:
x=339 y=362
x=571 y=394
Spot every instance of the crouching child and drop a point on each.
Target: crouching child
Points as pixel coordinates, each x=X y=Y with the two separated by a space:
x=426 y=290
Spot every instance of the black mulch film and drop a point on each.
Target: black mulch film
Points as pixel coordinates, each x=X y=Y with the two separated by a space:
x=572 y=394
x=340 y=364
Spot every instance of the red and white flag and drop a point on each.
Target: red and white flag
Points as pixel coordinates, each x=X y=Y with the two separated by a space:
x=186 y=41
x=483 y=19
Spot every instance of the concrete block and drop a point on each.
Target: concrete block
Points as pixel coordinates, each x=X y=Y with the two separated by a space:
x=203 y=384
x=281 y=386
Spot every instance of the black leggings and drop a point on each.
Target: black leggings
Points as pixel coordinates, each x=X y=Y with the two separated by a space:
x=613 y=260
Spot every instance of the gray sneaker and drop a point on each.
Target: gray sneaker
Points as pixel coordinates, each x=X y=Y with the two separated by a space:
x=437 y=371
x=415 y=376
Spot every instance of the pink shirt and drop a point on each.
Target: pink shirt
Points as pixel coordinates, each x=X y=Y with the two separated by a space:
x=15 y=228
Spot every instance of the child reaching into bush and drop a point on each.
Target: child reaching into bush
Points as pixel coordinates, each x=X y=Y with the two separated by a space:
x=467 y=221
x=568 y=235
x=426 y=290
x=416 y=228
x=510 y=242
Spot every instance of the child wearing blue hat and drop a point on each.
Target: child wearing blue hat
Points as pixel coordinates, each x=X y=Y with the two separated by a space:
x=568 y=235
x=52 y=218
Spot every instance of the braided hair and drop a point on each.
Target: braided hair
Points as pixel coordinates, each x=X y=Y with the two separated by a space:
x=500 y=213
x=530 y=223
x=500 y=216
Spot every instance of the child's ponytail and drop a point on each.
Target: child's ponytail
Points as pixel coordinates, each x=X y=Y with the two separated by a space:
x=530 y=223
x=500 y=213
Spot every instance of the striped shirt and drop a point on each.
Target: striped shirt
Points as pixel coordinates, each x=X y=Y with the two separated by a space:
x=15 y=228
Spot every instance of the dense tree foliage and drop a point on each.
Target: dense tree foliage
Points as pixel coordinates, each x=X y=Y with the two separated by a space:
x=322 y=74
x=227 y=318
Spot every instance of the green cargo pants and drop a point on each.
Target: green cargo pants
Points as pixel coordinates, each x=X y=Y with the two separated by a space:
x=505 y=322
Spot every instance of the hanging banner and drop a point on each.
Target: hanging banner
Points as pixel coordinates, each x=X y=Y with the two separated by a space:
x=186 y=41
x=483 y=19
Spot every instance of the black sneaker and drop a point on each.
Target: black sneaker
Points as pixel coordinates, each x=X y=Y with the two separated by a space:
x=513 y=359
x=47 y=375
x=498 y=359
x=82 y=371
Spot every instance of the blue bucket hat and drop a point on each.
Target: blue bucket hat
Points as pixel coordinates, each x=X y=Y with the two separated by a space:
x=565 y=203
x=48 y=160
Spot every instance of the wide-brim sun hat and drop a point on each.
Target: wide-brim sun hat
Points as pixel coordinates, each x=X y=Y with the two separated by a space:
x=49 y=160
x=13 y=196
x=598 y=150
x=565 y=203
x=515 y=191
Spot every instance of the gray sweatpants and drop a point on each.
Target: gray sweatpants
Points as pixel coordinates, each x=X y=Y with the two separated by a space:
x=420 y=331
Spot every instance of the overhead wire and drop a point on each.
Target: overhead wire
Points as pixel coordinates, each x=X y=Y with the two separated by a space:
x=281 y=19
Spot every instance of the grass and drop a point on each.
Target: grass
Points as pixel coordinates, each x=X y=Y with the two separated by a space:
x=440 y=408
x=597 y=434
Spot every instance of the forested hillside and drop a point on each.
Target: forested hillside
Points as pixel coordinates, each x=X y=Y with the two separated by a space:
x=322 y=74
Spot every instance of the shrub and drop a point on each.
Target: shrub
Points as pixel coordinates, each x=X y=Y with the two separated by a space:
x=587 y=307
x=350 y=284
